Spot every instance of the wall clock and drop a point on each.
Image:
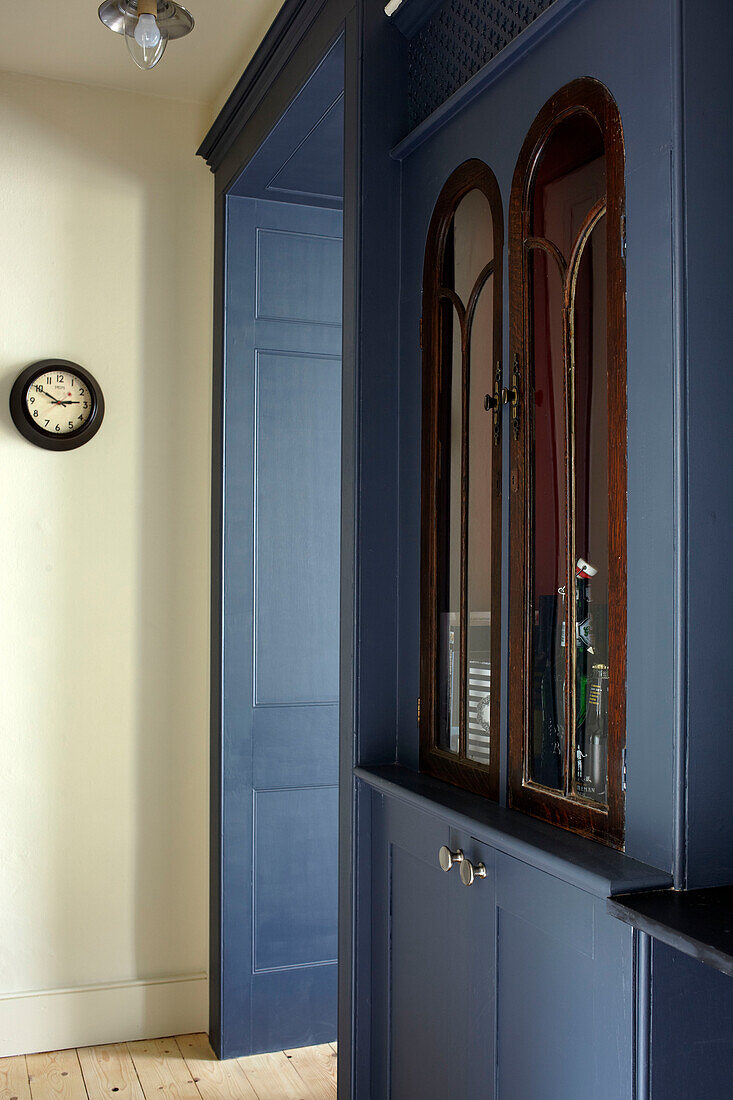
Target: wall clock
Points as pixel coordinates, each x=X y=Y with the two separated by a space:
x=56 y=404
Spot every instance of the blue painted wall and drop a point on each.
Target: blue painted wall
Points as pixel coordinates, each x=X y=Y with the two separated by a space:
x=708 y=135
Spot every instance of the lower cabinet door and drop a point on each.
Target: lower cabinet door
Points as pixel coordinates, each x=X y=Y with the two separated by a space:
x=434 y=948
x=518 y=986
x=564 y=991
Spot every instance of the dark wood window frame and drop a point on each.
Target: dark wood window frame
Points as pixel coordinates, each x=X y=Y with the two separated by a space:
x=451 y=767
x=604 y=824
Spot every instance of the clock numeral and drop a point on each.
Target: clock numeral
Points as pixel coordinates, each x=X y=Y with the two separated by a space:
x=31 y=400
x=81 y=390
x=81 y=417
x=59 y=377
x=47 y=422
x=57 y=428
x=86 y=406
x=35 y=413
x=38 y=389
x=49 y=380
x=71 y=423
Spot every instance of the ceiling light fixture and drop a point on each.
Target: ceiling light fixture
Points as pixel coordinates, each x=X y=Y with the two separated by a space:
x=147 y=25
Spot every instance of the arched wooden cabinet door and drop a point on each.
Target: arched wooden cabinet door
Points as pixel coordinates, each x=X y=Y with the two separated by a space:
x=461 y=483
x=567 y=648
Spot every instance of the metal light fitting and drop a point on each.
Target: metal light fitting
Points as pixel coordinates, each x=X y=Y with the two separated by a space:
x=148 y=26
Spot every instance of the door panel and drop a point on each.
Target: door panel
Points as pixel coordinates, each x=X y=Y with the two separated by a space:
x=281 y=609
x=434 y=944
x=294 y=885
x=563 y=990
x=542 y=1014
x=295 y=753
x=426 y=1041
x=297 y=464
x=283 y=293
x=290 y=1004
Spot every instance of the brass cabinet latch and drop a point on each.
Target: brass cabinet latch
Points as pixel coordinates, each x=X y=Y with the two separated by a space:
x=492 y=402
x=511 y=396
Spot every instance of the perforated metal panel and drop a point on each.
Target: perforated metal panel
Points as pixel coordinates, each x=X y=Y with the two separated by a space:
x=456 y=41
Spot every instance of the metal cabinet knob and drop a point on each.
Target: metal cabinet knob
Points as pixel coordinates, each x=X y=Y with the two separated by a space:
x=446 y=858
x=469 y=872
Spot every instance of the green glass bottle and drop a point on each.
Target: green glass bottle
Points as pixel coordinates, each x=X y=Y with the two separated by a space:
x=583 y=649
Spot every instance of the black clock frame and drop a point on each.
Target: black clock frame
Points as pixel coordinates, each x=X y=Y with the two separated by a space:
x=30 y=430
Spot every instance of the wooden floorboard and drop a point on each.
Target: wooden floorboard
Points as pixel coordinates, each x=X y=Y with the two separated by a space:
x=14 y=1079
x=162 y=1070
x=180 y=1068
x=274 y=1078
x=317 y=1067
x=215 y=1080
x=56 y=1076
x=109 y=1073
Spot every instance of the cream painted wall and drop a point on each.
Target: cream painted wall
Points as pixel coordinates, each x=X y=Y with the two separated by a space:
x=106 y=225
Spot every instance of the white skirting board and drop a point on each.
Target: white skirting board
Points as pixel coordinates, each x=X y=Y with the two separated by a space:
x=113 y=1013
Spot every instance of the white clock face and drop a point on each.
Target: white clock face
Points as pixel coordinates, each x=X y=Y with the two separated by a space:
x=59 y=402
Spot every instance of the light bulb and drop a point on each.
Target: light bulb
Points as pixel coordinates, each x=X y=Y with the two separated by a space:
x=146 y=39
x=147 y=32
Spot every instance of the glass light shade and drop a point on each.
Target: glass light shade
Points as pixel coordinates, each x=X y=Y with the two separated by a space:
x=148 y=26
x=144 y=46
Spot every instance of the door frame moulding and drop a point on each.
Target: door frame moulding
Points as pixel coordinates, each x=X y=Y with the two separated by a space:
x=290 y=25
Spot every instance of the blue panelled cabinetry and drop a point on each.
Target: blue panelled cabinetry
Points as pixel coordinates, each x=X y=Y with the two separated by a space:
x=523 y=986
x=573 y=1005
x=520 y=985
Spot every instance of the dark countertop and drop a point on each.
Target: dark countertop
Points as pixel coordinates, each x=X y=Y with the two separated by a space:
x=583 y=863
x=696 y=922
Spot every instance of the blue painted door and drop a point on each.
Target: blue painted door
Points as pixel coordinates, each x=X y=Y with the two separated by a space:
x=279 y=768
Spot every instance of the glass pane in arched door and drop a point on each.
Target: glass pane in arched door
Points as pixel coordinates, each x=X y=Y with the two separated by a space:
x=462 y=484
x=569 y=475
x=568 y=451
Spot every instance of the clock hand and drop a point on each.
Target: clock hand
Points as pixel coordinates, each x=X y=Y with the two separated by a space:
x=59 y=401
